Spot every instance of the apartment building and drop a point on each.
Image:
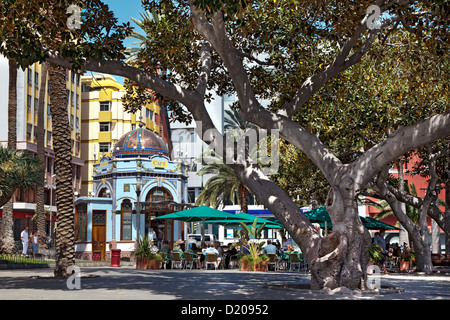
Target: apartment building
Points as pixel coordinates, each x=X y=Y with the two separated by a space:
x=104 y=121
x=28 y=85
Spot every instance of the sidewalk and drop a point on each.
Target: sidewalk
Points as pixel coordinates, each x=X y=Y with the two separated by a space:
x=124 y=283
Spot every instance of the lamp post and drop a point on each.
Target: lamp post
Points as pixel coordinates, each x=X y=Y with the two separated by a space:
x=138 y=211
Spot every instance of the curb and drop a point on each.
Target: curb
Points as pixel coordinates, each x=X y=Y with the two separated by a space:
x=14 y=266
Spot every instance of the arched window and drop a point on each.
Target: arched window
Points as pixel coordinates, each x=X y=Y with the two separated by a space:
x=126 y=220
x=159 y=198
x=104 y=193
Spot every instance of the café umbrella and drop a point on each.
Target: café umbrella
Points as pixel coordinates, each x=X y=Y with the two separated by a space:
x=247 y=219
x=322 y=217
x=199 y=214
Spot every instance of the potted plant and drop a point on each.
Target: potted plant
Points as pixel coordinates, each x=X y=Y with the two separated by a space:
x=154 y=259
x=249 y=236
x=408 y=259
x=146 y=255
x=375 y=254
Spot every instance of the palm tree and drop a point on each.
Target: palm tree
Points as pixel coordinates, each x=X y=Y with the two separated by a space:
x=7 y=234
x=17 y=170
x=40 y=137
x=65 y=243
x=223 y=186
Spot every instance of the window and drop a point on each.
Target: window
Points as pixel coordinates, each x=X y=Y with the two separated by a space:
x=98 y=217
x=71 y=98
x=49 y=138
x=105 y=105
x=81 y=222
x=29 y=129
x=103 y=147
x=49 y=165
x=30 y=78
x=49 y=114
x=29 y=102
x=77 y=102
x=36 y=79
x=126 y=220
x=105 y=126
x=149 y=114
x=36 y=105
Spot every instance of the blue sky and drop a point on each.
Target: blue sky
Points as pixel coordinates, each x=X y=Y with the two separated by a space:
x=123 y=10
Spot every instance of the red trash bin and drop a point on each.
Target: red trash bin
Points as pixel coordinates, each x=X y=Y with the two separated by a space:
x=115 y=257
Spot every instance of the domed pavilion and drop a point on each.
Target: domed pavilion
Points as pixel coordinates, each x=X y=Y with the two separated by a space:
x=138 y=183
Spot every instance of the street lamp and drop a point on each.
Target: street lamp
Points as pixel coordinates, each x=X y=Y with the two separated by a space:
x=138 y=210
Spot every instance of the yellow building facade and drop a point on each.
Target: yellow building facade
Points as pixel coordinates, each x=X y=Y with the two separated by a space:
x=28 y=86
x=104 y=121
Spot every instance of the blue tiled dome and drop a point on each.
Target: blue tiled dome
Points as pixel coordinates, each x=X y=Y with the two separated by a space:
x=140 y=142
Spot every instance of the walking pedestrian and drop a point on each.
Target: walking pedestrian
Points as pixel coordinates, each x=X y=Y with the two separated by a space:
x=24 y=238
x=34 y=243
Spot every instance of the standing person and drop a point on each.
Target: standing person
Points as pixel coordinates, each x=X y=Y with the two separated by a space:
x=160 y=238
x=381 y=242
x=24 y=238
x=34 y=243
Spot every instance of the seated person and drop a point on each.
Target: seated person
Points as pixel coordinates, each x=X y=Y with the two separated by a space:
x=229 y=254
x=165 y=246
x=270 y=248
x=211 y=249
x=220 y=251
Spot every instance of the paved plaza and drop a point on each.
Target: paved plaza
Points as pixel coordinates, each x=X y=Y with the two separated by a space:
x=126 y=283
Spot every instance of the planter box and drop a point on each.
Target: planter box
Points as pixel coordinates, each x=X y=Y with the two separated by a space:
x=256 y=266
x=404 y=265
x=144 y=264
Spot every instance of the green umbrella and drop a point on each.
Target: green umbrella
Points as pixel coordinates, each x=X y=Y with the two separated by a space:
x=269 y=225
x=199 y=214
x=374 y=224
x=247 y=219
x=322 y=217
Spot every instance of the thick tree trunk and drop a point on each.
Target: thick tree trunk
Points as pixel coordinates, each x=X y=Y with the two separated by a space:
x=65 y=244
x=7 y=232
x=40 y=134
x=343 y=254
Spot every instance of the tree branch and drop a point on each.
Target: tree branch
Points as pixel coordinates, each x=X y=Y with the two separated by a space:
x=401 y=141
x=205 y=71
x=143 y=78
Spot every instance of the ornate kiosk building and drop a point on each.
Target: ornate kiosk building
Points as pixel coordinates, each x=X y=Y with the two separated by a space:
x=138 y=183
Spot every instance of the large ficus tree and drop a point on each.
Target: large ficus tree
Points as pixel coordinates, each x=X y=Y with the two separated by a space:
x=286 y=51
